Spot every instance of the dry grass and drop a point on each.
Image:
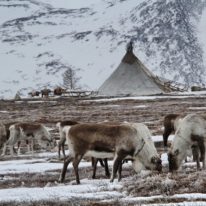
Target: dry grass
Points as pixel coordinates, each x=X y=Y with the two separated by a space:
x=150 y=184
x=136 y=185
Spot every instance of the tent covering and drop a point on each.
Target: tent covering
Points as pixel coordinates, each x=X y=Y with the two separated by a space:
x=132 y=78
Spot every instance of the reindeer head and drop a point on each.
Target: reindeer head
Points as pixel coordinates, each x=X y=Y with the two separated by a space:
x=156 y=163
x=47 y=143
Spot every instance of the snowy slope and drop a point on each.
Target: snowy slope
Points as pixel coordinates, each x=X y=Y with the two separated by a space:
x=39 y=40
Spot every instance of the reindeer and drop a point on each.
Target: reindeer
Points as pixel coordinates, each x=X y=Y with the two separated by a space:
x=146 y=134
x=34 y=93
x=171 y=123
x=64 y=127
x=190 y=133
x=59 y=91
x=45 y=93
x=28 y=131
x=106 y=141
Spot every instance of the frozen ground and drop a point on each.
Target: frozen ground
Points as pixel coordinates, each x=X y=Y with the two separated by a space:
x=100 y=189
x=35 y=179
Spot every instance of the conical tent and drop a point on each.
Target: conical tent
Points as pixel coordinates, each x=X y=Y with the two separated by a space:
x=132 y=78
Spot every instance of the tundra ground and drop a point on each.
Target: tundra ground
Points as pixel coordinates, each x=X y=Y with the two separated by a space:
x=133 y=188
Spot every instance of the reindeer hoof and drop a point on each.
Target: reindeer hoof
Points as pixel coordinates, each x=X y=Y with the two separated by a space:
x=112 y=180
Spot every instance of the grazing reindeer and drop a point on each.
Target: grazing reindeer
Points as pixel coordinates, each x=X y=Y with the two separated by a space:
x=28 y=131
x=171 y=123
x=64 y=127
x=146 y=134
x=104 y=141
x=190 y=133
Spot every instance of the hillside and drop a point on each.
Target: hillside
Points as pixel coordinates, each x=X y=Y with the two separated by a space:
x=39 y=41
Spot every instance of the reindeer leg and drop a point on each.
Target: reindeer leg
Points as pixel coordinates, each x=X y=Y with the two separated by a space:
x=64 y=169
x=120 y=171
x=195 y=152
x=18 y=148
x=101 y=162
x=4 y=150
x=32 y=147
x=76 y=161
x=11 y=150
x=166 y=134
x=117 y=161
x=202 y=150
x=63 y=148
x=28 y=146
x=107 y=173
x=201 y=145
x=59 y=149
x=61 y=144
x=94 y=165
x=203 y=162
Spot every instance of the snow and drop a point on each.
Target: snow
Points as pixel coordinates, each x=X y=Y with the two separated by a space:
x=32 y=166
x=71 y=4
x=201 y=33
x=184 y=95
x=90 y=189
x=197 y=108
x=4 y=112
x=159 y=138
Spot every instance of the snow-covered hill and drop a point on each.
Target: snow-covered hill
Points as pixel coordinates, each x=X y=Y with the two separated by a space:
x=39 y=40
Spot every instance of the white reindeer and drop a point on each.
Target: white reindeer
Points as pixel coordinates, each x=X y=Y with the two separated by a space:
x=171 y=124
x=191 y=132
x=144 y=132
x=28 y=131
x=106 y=141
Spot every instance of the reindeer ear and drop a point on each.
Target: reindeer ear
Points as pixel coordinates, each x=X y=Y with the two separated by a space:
x=176 y=152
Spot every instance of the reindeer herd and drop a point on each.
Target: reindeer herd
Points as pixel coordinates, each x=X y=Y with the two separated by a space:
x=46 y=92
x=120 y=141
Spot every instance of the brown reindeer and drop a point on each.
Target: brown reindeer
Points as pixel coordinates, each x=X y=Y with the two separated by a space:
x=64 y=127
x=45 y=92
x=59 y=91
x=105 y=141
